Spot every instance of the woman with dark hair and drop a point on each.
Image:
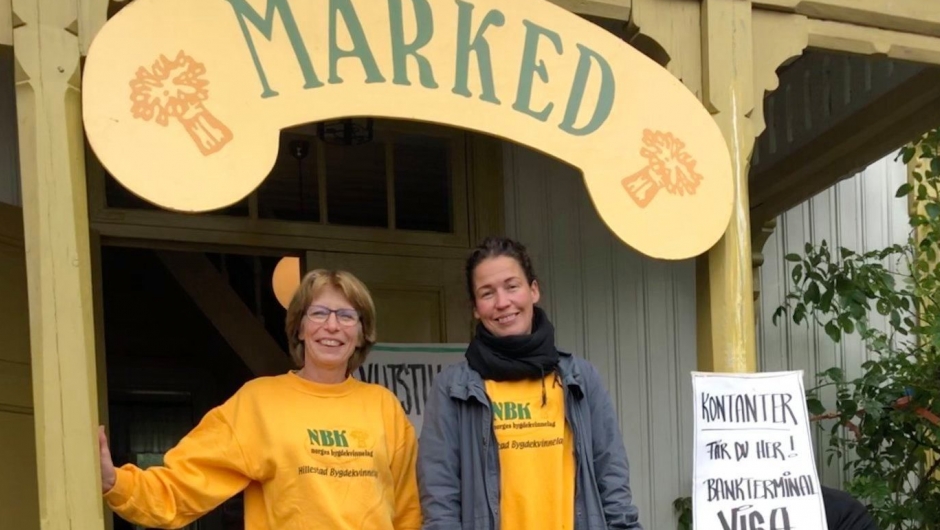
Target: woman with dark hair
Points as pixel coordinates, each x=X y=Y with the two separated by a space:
x=520 y=435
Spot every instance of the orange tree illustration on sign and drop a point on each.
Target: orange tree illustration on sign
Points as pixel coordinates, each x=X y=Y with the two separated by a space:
x=176 y=89
x=670 y=168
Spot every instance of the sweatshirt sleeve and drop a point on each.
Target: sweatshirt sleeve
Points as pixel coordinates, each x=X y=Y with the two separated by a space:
x=207 y=467
x=407 y=502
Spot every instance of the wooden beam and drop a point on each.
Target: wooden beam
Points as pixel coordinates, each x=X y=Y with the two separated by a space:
x=760 y=233
x=62 y=338
x=921 y=17
x=230 y=316
x=670 y=32
x=725 y=294
x=92 y=17
x=260 y=228
x=842 y=37
x=101 y=359
x=884 y=125
x=612 y=9
x=778 y=39
x=6 y=23
x=153 y=233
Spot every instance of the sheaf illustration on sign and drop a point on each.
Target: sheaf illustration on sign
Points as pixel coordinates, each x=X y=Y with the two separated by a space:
x=670 y=168
x=177 y=89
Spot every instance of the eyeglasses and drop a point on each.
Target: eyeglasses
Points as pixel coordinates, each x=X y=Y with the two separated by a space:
x=346 y=317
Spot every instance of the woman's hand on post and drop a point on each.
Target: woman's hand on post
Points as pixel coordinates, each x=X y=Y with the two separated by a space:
x=108 y=475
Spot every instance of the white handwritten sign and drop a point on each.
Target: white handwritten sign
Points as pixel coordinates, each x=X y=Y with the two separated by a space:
x=408 y=370
x=754 y=464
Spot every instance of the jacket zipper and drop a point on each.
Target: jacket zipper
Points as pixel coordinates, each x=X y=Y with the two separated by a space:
x=491 y=435
x=489 y=439
x=577 y=453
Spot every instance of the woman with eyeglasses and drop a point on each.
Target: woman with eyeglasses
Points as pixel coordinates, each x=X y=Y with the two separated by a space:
x=312 y=448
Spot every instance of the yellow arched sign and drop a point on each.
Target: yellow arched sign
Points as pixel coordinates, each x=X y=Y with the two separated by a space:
x=183 y=100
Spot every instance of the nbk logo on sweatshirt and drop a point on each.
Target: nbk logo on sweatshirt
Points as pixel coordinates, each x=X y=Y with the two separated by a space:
x=328 y=438
x=509 y=410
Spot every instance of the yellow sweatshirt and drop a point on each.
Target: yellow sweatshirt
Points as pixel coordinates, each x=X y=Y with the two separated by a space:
x=536 y=454
x=310 y=455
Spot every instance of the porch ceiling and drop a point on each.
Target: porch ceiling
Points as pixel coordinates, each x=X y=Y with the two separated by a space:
x=832 y=115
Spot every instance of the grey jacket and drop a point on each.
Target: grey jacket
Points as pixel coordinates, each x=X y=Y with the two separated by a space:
x=458 y=458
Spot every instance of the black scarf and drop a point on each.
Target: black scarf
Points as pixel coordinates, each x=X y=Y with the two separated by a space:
x=515 y=357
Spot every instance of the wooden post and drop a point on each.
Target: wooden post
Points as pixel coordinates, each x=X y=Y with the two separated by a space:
x=47 y=53
x=726 y=334
x=6 y=23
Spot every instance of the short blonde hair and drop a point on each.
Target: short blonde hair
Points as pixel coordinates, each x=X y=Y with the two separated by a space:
x=353 y=289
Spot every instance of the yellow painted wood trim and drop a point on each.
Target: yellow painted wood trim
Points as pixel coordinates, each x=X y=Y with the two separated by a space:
x=920 y=17
x=612 y=9
x=778 y=39
x=654 y=31
x=849 y=38
x=254 y=229
x=760 y=234
x=95 y=184
x=97 y=275
x=223 y=241
x=91 y=18
x=6 y=23
x=725 y=302
x=51 y=148
x=101 y=364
